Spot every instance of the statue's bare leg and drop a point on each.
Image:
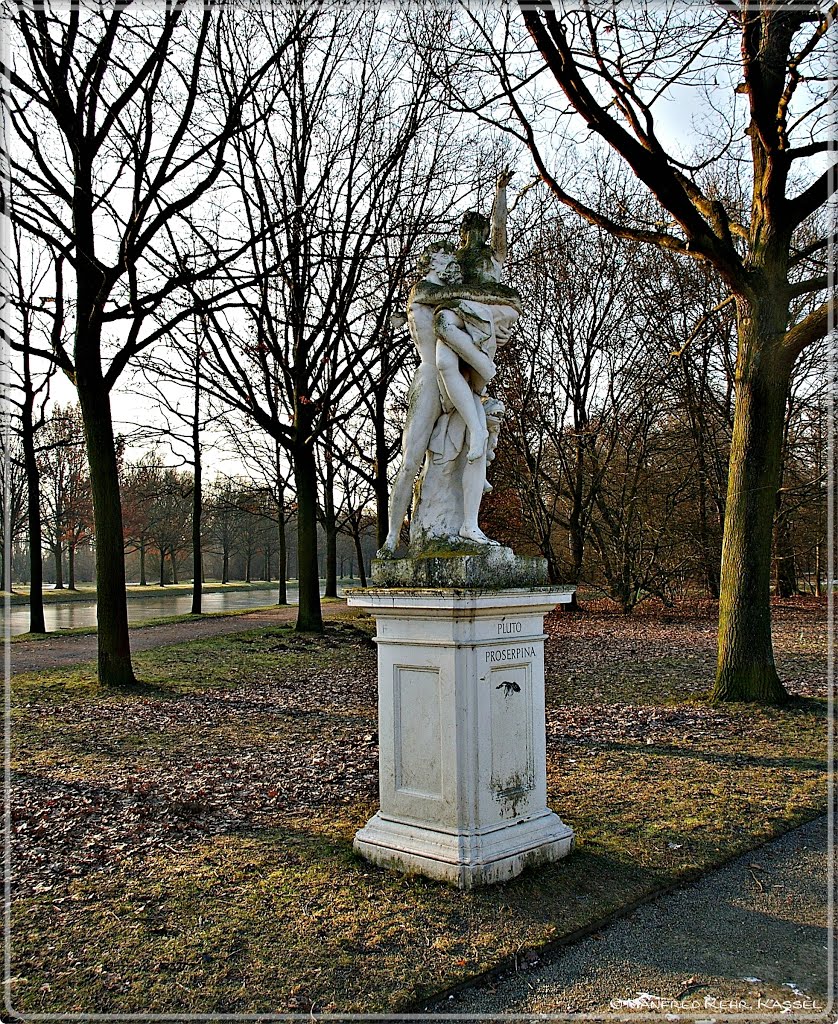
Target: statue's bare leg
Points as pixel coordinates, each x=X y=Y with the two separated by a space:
x=463 y=399
x=474 y=478
x=424 y=408
x=450 y=328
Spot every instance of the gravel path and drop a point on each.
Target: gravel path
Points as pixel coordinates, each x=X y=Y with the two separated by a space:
x=62 y=651
x=748 y=940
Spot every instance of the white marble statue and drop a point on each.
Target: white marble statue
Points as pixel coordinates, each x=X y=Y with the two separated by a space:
x=458 y=315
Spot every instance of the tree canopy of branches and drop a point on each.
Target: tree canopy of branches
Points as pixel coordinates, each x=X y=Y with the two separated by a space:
x=757 y=227
x=117 y=131
x=344 y=166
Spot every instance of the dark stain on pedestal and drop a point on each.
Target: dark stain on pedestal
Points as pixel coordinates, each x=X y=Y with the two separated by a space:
x=511 y=793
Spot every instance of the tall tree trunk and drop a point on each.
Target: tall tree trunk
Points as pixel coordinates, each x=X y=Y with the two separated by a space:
x=197 y=497
x=37 y=623
x=71 y=566
x=225 y=563
x=309 y=614
x=576 y=533
x=143 y=581
x=746 y=669
x=709 y=557
x=58 y=555
x=331 y=530
x=283 y=552
x=162 y=567
x=818 y=563
x=114 y=645
x=115 y=668
x=708 y=553
x=786 y=567
x=546 y=546
x=362 y=573
x=381 y=484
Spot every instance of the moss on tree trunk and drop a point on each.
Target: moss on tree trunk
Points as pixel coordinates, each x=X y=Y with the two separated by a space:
x=746 y=669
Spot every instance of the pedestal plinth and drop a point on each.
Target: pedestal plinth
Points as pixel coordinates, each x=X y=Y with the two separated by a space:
x=463 y=782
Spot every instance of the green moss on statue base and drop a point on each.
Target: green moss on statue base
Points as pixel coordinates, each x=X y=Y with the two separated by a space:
x=455 y=563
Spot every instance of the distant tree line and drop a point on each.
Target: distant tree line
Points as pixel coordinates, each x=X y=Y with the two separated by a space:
x=245 y=535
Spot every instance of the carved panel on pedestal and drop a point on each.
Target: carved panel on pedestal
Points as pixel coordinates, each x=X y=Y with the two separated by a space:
x=418 y=733
x=510 y=696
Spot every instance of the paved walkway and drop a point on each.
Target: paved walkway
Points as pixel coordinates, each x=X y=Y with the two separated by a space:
x=62 y=651
x=749 y=939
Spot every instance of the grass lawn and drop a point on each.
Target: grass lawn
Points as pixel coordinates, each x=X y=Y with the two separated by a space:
x=189 y=849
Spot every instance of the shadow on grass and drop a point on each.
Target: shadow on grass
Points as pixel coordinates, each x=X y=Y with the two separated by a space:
x=708 y=756
x=295 y=911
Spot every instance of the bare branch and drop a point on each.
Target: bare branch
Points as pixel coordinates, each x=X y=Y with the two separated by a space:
x=815 y=196
x=811 y=329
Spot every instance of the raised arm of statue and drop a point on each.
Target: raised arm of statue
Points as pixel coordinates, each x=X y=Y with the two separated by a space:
x=499 y=210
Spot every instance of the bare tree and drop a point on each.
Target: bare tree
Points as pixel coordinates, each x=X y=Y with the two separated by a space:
x=577 y=335
x=803 y=475
x=66 y=512
x=222 y=519
x=13 y=502
x=695 y=327
x=615 y=65
x=172 y=379
x=263 y=460
x=117 y=135
x=169 y=516
x=345 y=147
x=29 y=391
x=138 y=484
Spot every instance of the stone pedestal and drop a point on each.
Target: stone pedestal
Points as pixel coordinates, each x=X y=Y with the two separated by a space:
x=461 y=731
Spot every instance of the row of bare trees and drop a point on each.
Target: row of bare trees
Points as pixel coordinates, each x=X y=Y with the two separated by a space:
x=268 y=171
x=620 y=389
x=243 y=531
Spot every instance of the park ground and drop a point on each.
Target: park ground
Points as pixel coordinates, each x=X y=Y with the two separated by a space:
x=188 y=848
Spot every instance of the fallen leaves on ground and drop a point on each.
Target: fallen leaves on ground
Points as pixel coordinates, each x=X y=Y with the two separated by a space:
x=101 y=781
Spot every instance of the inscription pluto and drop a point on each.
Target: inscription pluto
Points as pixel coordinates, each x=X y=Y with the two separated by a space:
x=505 y=628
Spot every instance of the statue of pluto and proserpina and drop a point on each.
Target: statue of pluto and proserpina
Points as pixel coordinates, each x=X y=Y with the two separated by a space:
x=459 y=314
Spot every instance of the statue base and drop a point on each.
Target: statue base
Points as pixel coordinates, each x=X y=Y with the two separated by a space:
x=462 y=763
x=461 y=564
